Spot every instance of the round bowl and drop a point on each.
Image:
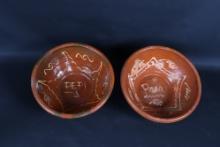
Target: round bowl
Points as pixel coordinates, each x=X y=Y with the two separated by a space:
x=72 y=80
x=161 y=84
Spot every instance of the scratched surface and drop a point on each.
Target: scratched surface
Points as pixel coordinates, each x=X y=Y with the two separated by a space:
x=118 y=28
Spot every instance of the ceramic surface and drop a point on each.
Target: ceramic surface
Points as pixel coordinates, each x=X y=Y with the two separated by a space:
x=72 y=80
x=161 y=84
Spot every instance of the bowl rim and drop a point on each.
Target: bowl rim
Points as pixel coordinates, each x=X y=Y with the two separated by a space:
x=145 y=114
x=67 y=115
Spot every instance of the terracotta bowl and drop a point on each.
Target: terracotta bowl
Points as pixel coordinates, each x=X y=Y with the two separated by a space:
x=72 y=80
x=161 y=84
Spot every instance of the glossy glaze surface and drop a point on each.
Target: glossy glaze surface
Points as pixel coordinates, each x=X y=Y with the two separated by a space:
x=72 y=80
x=161 y=84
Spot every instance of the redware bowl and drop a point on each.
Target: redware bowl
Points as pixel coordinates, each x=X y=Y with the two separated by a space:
x=72 y=80
x=161 y=84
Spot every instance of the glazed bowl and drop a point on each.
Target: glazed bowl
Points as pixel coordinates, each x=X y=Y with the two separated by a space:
x=72 y=80
x=161 y=84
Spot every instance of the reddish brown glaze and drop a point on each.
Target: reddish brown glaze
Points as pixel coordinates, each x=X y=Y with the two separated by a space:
x=72 y=80
x=161 y=84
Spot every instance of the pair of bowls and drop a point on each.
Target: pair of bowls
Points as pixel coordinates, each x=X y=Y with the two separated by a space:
x=74 y=80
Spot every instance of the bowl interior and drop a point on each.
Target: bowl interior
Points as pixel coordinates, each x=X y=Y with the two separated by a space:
x=72 y=79
x=161 y=84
